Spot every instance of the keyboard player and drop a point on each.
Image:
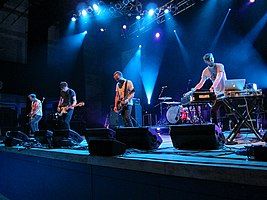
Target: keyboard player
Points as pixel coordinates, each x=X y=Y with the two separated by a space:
x=216 y=73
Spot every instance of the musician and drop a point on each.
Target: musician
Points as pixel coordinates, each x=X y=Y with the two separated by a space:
x=67 y=100
x=216 y=73
x=36 y=113
x=124 y=95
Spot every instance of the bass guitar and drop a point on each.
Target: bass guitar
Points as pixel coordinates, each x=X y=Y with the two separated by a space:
x=64 y=109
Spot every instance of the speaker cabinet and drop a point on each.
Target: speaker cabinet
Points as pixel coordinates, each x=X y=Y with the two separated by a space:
x=106 y=147
x=139 y=138
x=44 y=137
x=66 y=138
x=190 y=136
x=99 y=133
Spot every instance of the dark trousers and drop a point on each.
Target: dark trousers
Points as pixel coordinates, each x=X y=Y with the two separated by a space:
x=67 y=118
x=214 y=111
x=126 y=116
x=34 y=121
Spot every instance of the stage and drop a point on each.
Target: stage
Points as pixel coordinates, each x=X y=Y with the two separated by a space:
x=165 y=173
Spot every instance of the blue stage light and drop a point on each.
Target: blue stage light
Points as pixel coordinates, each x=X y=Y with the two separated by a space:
x=102 y=30
x=73 y=19
x=85 y=32
x=138 y=17
x=251 y=1
x=151 y=12
x=140 y=46
x=166 y=11
x=157 y=35
x=124 y=27
x=95 y=7
x=84 y=12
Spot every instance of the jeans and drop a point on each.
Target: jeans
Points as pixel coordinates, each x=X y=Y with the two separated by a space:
x=34 y=123
x=67 y=118
x=126 y=116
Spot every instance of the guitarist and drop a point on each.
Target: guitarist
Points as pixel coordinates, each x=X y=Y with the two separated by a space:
x=123 y=98
x=67 y=100
x=36 y=113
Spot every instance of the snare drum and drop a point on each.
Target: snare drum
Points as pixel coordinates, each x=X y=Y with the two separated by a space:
x=173 y=114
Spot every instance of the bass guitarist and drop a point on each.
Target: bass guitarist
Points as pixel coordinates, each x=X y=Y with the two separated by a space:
x=123 y=98
x=67 y=101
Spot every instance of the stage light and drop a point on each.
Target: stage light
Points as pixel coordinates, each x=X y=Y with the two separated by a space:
x=140 y=46
x=102 y=30
x=84 y=12
x=151 y=12
x=252 y=1
x=73 y=19
x=157 y=35
x=174 y=31
x=124 y=27
x=85 y=32
x=166 y=11
x=138 y=17
x=95 y=7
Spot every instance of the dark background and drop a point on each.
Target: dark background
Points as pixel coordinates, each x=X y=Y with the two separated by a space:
x=90 y=71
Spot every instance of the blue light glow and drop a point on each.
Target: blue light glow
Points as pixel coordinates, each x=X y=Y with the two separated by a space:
x=84 y=12
x=73 y=19
x=85 y=32
x=95 y=7
x=151 y=12
x=138 y=17
x=157 y=35
x=166 y=11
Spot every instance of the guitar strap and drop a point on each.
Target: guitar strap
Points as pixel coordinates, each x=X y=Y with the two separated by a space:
x=125 y=89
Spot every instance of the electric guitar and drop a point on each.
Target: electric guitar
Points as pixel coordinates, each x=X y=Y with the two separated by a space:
x=121 y=104
x=31 y=115
x=64 y=109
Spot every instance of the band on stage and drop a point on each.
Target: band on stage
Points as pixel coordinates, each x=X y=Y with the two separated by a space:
x=178 y=112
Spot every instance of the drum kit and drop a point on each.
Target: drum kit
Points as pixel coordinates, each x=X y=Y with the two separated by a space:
x=173 y=112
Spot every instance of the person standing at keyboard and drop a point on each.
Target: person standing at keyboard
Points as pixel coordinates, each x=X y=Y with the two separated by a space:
x=216 y=73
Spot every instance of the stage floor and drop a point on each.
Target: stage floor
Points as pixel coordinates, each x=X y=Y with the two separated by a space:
x=218 y=165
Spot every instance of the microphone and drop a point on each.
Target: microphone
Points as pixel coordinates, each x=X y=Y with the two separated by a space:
x=164 y=86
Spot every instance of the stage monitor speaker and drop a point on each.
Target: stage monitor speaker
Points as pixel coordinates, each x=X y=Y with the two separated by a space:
x=44 y=137
x=13 y=138
x=106 y=147
x=99 y=133
x=66 y=138
x=139 y=138
x=201 y=136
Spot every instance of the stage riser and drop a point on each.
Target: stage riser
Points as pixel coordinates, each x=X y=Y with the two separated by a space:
x=31 y=177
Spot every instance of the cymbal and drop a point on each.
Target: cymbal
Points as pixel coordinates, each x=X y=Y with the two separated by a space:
x=172 y=103
x=165 y=98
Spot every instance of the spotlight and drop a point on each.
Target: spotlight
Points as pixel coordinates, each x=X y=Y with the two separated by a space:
x=102 y=30
x=151 y=12
x=138 y=17
x=174 y=31
x=252 y=1
x=84 y=12
x=124 y=27
x=95 y=7
x=166 y=11
x=157 y=35
x=140 y=46
x=73 y=19
x=85 y=32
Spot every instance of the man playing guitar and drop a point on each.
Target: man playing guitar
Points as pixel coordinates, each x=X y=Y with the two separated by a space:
x=123 y=98
x=36 y=113
x=67 y=101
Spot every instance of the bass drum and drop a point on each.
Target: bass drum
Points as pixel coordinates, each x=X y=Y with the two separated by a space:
x=173 y=114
